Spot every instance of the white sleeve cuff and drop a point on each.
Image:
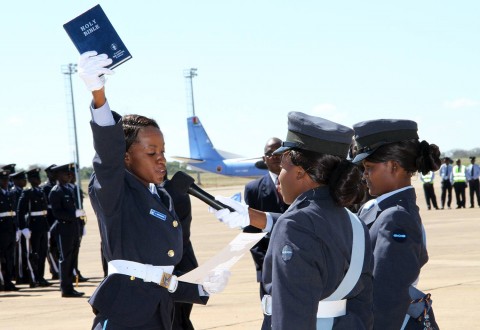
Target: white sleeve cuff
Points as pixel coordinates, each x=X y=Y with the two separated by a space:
x=202 y=292
x=268 y=227
x=102 y=116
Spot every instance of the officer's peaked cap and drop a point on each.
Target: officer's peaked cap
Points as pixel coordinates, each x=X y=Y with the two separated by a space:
x=18 y=175
x=9 y=167
x=49 y=168
x=372 y=134
x=33 y=173
x=70 y=167
x=316 y=134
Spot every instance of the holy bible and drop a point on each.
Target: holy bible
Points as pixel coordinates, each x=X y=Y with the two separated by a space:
x=92 y=30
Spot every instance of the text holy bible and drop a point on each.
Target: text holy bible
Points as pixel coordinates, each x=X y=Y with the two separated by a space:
x=92 y=30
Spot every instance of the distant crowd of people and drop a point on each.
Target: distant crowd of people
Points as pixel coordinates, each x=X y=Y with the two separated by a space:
x=44 y=223
x=457 y=177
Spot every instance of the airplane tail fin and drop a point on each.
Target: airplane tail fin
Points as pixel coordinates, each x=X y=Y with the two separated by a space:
x=200 y=145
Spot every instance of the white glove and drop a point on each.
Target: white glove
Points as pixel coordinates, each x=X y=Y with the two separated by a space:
x=237 y=219
x=18 y=234
x=216 y=281
x=91 y=66
x=79 y=213
x=27 y=233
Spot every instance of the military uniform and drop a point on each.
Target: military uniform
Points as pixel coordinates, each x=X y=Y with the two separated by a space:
x=396 y=230
x=22 y=268
x=8 y=229
x=310 y=247
x=319 y=235
x=399 y=254
x=62 y=199
x=32 y=208
x=53 y=253
x=131 y=221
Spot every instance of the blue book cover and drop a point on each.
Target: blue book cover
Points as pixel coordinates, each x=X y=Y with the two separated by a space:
x=92 y=30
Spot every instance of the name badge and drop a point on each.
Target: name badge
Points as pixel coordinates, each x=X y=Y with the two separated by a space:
x=158 y=215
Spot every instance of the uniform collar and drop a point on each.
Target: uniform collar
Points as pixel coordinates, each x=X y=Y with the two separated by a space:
x=391 y=193
x=321 y=192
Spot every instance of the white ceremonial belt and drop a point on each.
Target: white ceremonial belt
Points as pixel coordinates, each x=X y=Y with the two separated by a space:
x=38 y=213
x=334 y=308
x=8 y=214
x=161 y=275
x=267 y=304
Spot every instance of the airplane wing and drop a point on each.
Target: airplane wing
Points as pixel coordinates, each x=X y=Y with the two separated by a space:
x=188 y=160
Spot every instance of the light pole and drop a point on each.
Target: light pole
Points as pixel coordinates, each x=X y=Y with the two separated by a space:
x=189 y=74
x=68 y=70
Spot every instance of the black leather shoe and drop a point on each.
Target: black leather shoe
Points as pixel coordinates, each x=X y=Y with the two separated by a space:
x=44 y=283
x=72 y=294
x=34 y=285
x=10 y=287
x=82 y=279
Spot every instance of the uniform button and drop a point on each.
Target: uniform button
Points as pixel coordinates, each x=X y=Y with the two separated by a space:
x=175 y=223
x=171 y=253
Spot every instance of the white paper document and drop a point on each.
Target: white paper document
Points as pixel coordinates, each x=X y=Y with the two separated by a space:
x=225 y=259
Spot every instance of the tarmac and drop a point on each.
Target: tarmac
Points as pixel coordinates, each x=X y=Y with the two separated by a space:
x=452 y=275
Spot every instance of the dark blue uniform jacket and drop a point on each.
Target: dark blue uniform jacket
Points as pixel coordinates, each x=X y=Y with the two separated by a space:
x=399 y=253
x=129 y=231
x=319 y=235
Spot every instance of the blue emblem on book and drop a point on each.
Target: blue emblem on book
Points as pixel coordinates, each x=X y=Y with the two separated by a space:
x=157 y=214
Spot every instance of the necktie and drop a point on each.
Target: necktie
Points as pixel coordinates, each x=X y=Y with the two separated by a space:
x=472 y=172
x=279 y=191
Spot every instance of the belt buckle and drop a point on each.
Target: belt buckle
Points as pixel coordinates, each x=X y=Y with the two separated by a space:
x=165 y=280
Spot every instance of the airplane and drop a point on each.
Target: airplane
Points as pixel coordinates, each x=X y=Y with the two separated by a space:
x=205 y=158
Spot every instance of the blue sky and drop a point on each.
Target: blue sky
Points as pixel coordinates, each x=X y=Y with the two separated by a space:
x=346 y=61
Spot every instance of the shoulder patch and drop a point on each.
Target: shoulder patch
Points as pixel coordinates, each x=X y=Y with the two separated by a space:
x=287 y=253
x=399 y=236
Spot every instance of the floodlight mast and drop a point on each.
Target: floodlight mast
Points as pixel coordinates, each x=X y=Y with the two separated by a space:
x=69 y=70
x=189 y=74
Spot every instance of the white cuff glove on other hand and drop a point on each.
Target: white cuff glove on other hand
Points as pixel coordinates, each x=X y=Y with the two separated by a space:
x=237 y=219
x=79 y=213
x=18 y=234
x=216 y=281
x=91 y=66
x=27 y=233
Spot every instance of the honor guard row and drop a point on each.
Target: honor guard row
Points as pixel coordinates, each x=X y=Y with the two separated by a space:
x=30 y=234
